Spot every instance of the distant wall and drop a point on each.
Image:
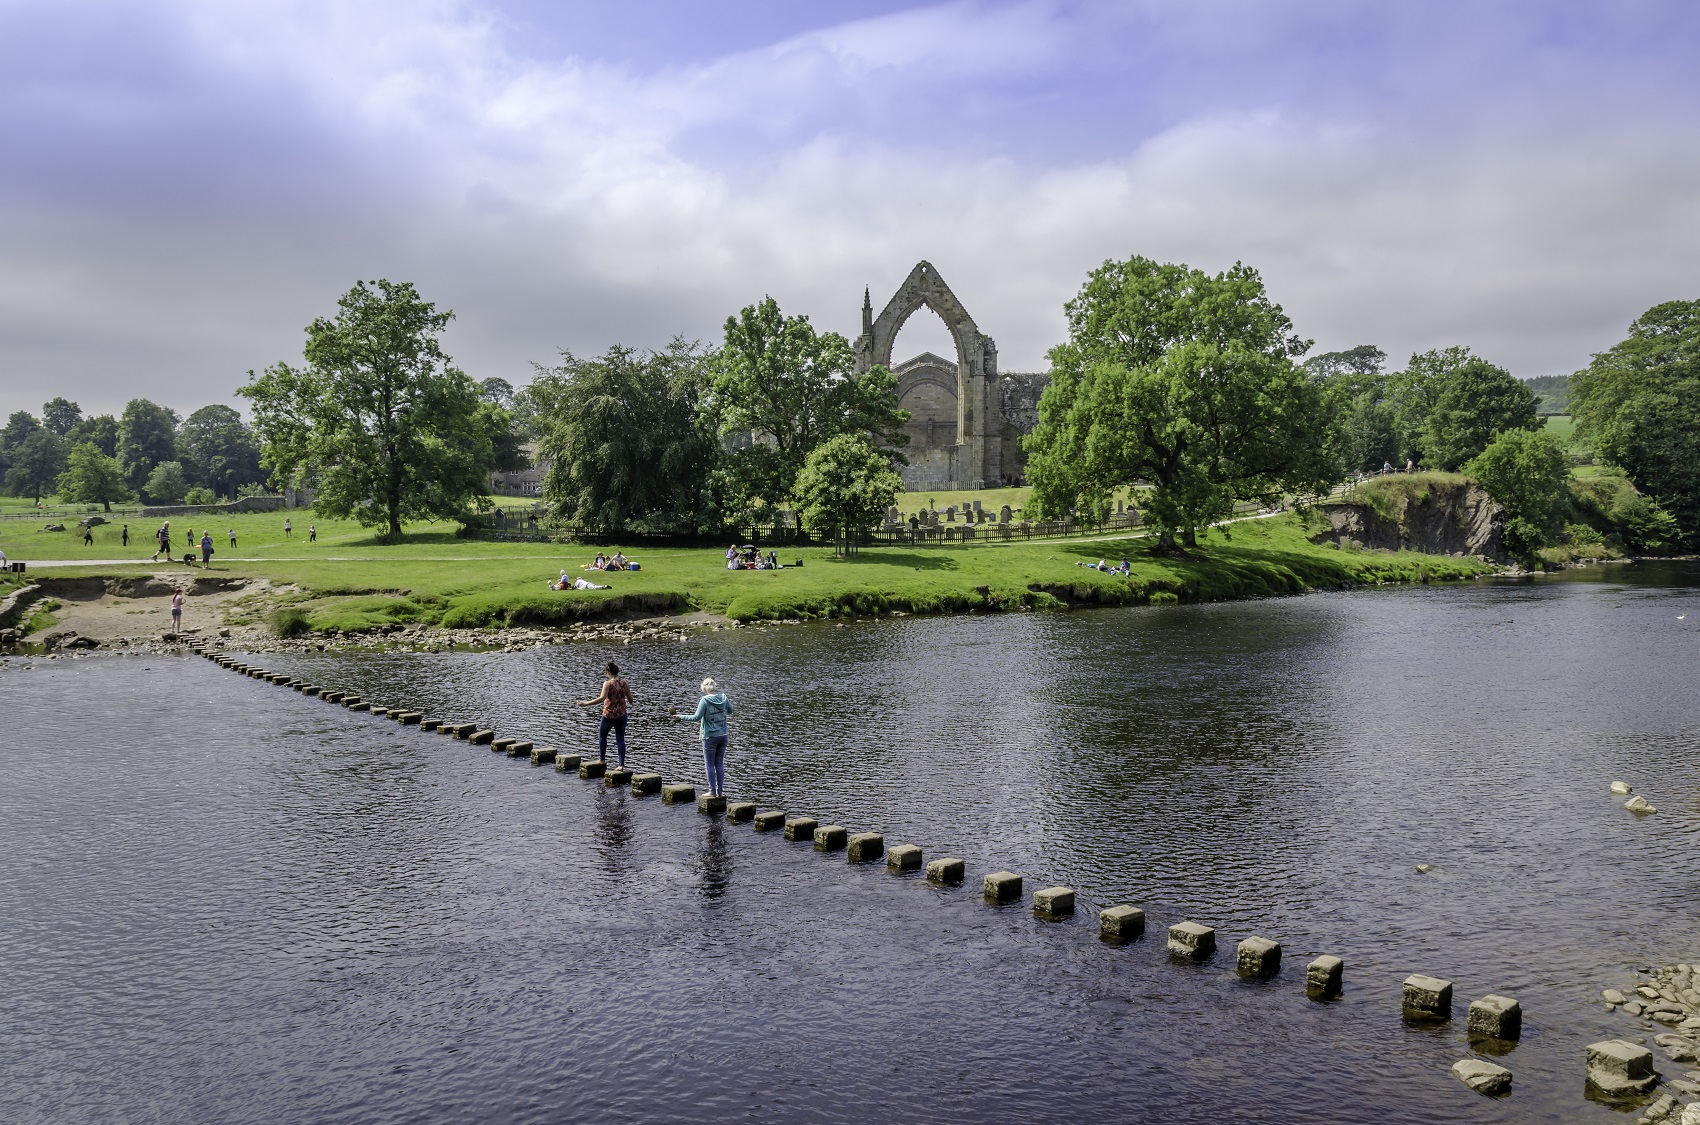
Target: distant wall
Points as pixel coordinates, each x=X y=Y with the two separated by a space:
x=246 y=504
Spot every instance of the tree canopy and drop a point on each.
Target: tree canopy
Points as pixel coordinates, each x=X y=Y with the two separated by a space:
x=788 y=389
x=36 y=464
x=1638 y=402
x=167 y=484
x=92 y=477
x=1473 y=401
x=100 y=431
x=147 y=435
x=1527 y=472
x=630 y=445
x=220 y=448
x=60 y=414
x=1184 y=380
x=844 y=486
x=378 y=421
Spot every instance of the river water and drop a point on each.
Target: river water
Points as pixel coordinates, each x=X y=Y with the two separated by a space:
x=222 y=901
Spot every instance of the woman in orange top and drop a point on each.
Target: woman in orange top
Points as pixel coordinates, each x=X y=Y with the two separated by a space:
x=616 y=698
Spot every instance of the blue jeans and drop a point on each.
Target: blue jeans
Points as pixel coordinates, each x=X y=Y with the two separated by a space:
x=714 y=762
x=617 y=724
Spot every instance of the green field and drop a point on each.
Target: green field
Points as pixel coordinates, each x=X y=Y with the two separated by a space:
x=348 y=581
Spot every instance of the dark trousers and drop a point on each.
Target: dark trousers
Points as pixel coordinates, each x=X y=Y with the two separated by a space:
x=617 y=724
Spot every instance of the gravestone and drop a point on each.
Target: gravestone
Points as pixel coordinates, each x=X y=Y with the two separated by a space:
x=1004 y=514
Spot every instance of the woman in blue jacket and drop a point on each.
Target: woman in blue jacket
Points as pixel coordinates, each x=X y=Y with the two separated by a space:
x=712 y=712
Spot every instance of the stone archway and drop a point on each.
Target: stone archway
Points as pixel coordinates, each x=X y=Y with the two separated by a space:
x=976 y=457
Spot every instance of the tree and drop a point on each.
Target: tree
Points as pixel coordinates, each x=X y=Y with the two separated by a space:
x=147 y=435
x=92 y=477
x=379 y=420
x=1527 y=472
x=1474 y=401
x=496 y=391
x=1365 y=359
x=1183 y=380
x=1363 y=434
x=18 y=427
x=786 y=389
x=167 y=483
x=844 y=486
x=1638 y=402
x=630 y=445
x=100 y=431
x=221 y=448
x=60 y=414
x=507 y=443
x=36 y=464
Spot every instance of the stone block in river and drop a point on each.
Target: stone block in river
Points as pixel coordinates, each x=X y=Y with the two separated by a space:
x=739 y=811
x=1191 y=941
x=566 y=763
x=801 y=828
x=903 y=857
x=770 y=820
x=592 y=767
x=359 y=707
x=1483 y=1077
x=519 y=749
x=1002 y=886
x=831 y=838
x=865 y=847
x=710 y=805
x=1622 y=788
x=642 y=783
x=409 y=718
x=1495 y=1017
x=500 y=745
x=1324 y=977
x=1121 y=923
x=542 y=755
x=1258 y=957
x=430 y=724
x=1054 y=902
x=948 y=871
x=481 y=737
x=678 y=794
x=378 y=712
x=352 y=700
x=1427 y=997
x=1620 y=1069
x=1639 y=805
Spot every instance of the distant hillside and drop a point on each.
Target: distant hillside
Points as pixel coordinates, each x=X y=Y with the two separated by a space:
x=1552 y=393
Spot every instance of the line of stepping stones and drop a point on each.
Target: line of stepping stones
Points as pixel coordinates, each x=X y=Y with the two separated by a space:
x=1616 y=1068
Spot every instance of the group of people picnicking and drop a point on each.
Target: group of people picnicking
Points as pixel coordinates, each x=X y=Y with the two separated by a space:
x=1123 y=568
x=712 y=715
x=750 y=557
x=602 y=562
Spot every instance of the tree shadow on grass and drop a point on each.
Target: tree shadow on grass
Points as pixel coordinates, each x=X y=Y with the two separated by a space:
x=913 y=560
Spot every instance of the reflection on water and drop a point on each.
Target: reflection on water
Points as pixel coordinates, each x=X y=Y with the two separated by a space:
x=225 y=902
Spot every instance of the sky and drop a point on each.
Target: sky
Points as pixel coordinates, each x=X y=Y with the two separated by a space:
x=186 y=184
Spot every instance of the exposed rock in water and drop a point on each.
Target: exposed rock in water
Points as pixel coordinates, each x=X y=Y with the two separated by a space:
x=1639 y=805
x=1481 y=1076
x=1434 y=518
x=1622 y=788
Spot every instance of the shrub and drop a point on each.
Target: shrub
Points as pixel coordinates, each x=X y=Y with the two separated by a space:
x=200 y=495
x=290 y=621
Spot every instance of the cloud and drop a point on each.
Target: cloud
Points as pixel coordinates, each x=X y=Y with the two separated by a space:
x=192 y=188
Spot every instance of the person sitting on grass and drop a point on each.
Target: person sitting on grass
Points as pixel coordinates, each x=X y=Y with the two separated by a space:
x=732 y=561
x=600 y=562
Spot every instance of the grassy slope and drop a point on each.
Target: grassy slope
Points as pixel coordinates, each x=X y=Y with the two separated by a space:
x=347 y=581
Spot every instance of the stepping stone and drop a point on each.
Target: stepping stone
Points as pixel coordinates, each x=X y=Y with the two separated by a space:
x=1054 y=902
x=903 y=857
x=1191 y=941
x=1323 y=977
x=644 y=784
x=801 y=828
x=739 y=811
x=865 y=847
x=768 y=820
x=1427 y=997
x=946 y=872
x=710 y=805
x=1495 y=1017
x=1002 y=886
x=481 y=737
x=1482 y=1076
x=566 y=763
x=678 y=794
x=592 y=767
x=1121 y=923
x=519 y=750
x=621 y=776
x=1258 y=957
x=830 y=838
x=542 y=755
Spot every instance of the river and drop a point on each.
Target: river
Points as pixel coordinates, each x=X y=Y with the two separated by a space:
x=223 y=901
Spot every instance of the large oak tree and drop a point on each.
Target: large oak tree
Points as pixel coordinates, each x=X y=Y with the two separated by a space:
x=379 y=421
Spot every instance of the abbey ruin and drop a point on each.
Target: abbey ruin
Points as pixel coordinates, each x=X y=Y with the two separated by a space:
x=966 y=421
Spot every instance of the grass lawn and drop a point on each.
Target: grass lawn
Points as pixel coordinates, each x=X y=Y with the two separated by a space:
x=347 y=581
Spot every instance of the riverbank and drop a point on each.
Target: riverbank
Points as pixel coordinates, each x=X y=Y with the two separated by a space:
x=435 y=589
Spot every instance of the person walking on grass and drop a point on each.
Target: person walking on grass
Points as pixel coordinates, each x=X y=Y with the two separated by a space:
x=206 y=550
x=616 y=700
x=177 y=611
x=232 y=534
x=713 y=711
x=88 y=536
x=288 y=529
x=162 y=541
x=312 y=533
x=124 y=536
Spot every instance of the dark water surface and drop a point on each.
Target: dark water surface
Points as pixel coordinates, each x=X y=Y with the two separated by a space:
x=222 y=901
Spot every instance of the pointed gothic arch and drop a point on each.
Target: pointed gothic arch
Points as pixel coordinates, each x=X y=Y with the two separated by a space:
x=976 y=459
